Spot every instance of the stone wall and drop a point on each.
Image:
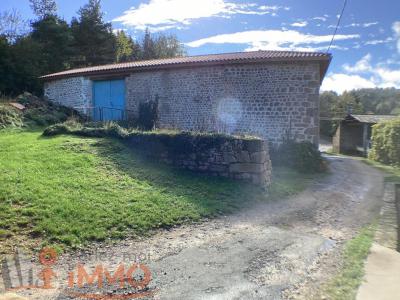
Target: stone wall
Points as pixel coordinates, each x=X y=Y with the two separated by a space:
x=233 y=157
x=73 y=92
x=267 y=100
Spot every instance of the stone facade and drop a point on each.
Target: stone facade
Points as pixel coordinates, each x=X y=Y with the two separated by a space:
x=75 y=92
x=271 y=100
x=236 y=158
x=267 y=100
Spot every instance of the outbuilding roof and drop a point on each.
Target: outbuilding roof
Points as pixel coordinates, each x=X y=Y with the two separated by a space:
x=370 y=119
x=199 y=60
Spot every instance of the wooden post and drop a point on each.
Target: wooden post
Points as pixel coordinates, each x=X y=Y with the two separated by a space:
x=365 y=138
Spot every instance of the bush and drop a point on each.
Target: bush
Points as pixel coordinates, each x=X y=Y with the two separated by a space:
x=10 y=117
x=109 y=129
x=328 y=128
x=148 y=115
x=43 y=112
x=301 y=156
x=386 y=142
x=69 y=126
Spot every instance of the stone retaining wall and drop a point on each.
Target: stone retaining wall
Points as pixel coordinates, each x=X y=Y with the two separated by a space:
x=232 y=157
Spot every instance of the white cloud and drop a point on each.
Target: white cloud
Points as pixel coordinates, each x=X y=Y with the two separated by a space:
x=299 y=24
x=362 y=75
x=396 y=29
x=388 y=78
x=323 y=19
x=343 y=82
x=363 y=65
x=377 y=42
x=167 y=14
x=364 y=25
x=272 y=40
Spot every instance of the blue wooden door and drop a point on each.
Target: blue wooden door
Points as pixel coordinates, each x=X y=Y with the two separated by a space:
x=109 y=100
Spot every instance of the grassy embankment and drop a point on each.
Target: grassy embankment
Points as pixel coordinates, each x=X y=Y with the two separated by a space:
x=69 y=190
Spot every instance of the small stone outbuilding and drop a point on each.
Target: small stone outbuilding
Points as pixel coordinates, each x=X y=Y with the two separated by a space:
x=353 y=135
x=270 y=94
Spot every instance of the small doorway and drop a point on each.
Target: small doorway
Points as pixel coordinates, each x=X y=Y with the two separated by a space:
x=109 y=100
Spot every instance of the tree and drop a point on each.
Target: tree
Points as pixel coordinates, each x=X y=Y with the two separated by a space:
x=348 y=103
x=151 y=47
x=43 y=8
x=55 y=39
x=161 y=46
x=148 y=51
x=126 y=48
x=94 y=40
x=6 y=66
x=26 y=65
x=167 y=46
x=327 y=101
x=12 y=25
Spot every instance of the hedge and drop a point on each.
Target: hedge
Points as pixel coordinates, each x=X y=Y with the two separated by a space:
x=386 y=142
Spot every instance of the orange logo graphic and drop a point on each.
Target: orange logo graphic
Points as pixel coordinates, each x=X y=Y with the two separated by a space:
x=136 y=277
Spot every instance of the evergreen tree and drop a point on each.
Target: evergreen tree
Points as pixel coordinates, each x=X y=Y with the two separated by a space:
x=94 y=40
x=55 y=40
x=27 y=64
x=348 y=102
x=148 y=49
x=126 y=48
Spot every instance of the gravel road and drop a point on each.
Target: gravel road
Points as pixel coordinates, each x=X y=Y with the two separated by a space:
x=276 y=250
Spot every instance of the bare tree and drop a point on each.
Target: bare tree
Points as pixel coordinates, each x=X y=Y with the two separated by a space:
x=12 y=25
x=44 y=8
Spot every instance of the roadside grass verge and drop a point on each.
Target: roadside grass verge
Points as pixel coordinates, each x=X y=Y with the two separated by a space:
x=67 y=191
x=345 y=284
x=392 y=171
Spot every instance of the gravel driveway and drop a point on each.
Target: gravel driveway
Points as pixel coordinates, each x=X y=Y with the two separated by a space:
x=275 y=250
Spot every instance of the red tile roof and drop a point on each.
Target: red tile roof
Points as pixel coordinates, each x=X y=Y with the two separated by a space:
x=200 y=60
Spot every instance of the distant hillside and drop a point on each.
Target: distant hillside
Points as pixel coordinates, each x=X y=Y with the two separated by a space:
x=376 y=101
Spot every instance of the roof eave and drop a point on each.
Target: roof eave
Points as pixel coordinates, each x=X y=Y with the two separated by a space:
x=323 y=60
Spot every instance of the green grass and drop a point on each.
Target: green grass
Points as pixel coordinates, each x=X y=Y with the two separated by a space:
x=393 y=172
x=68 y=191
x=345 y=284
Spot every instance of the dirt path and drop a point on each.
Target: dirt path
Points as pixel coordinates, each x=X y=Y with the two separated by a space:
x=275 y=250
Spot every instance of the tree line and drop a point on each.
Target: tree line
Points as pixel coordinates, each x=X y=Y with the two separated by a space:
x=363 y=101
x=334 y=107
x=49 y=44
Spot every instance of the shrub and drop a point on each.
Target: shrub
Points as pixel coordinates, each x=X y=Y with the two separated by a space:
x=69 y=126
x=110 y=129
x=114 y=130
x=10 y=117
x=386 y=142
x=148 y=115
x=43 y=112
x=328 y=128
x=302 y=156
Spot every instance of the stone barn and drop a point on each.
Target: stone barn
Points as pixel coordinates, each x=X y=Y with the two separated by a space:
x=353 y=135
x=270 y=94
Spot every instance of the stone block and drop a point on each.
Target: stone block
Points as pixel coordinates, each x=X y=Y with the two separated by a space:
x=258 y=157
x=218 y=168
x=229 y=157
x=245 y=168
x=243 y=156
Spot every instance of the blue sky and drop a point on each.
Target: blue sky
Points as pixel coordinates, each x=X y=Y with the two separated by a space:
x=366 y=52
